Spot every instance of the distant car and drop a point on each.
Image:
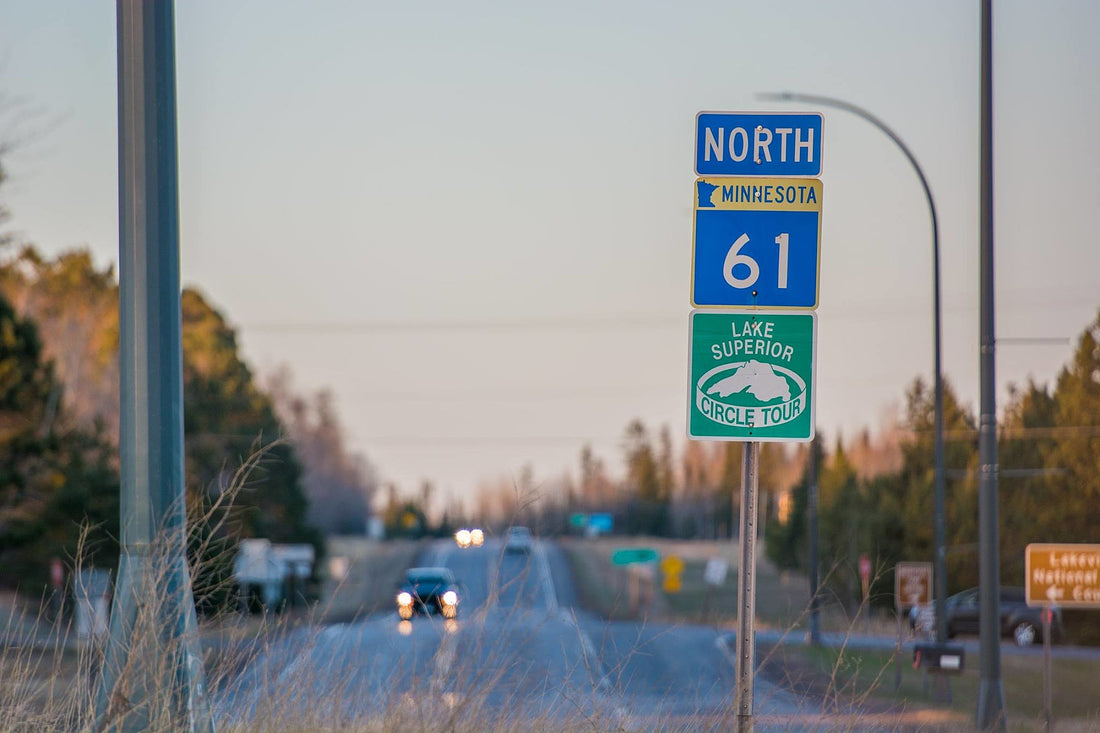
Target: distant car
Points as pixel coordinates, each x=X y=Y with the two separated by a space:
x=463 y=538
x=477 y=537
x=517 y=539
x=427 y=591
x=1022 y=623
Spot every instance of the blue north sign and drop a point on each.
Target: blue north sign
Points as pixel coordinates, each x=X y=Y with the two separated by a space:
x=746 y=144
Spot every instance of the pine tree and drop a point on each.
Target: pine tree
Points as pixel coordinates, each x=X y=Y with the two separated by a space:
x=55 y=483
x=1075 y=493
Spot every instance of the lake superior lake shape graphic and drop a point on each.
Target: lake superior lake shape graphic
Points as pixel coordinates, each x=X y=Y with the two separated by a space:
x=758 y=379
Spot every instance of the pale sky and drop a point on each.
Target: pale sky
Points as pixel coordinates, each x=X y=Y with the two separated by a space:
x=473 y=221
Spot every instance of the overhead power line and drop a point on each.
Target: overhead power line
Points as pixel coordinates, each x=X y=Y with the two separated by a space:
x=861 y=310
x=595 y=323
x=1008 y=472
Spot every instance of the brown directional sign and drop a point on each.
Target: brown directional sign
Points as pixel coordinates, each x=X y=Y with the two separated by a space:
x=1063 y=575
x=912 y=584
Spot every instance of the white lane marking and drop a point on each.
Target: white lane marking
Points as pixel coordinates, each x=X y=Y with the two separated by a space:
x=312 y=646
x=492 y=577
x=443 y=661
x=546 y=579
x=438 y=552
x=590 y=653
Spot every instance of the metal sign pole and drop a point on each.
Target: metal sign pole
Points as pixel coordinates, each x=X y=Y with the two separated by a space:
x=815 y=615
x=746 y=588
x=897 y=652
x=1048 y=703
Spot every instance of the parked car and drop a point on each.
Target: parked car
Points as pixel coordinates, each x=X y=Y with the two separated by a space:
x=1019 y=621
x=427 y=591
x=517 y=539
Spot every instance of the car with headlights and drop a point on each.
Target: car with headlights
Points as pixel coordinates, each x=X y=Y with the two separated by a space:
x=517 y=540
x=426 y=591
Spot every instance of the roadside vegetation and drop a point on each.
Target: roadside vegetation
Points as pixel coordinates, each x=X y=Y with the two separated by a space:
x=59 y=430
x=49 y=671
x=840 y=676
x=850 y=682
x=875 y=491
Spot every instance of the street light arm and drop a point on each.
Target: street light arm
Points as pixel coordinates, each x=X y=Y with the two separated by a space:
x=940 y=578
x=864 y=114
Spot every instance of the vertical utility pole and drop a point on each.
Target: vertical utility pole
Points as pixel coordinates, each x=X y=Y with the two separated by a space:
x=991 y=698
x=939 y=490
x=152 y=676
x=746 y=588
x=811 y=520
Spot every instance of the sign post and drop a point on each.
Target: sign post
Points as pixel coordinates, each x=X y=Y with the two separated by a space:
x=755 y=244
x=865 y=588
x=1048 y=703
x=1066 y=576
x=57 y=581
x=746 y=588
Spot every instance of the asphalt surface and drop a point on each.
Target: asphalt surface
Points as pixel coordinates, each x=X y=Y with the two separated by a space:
x=521 y=654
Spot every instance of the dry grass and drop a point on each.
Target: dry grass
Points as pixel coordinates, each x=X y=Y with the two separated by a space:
x=485 y=674
x=870 y=677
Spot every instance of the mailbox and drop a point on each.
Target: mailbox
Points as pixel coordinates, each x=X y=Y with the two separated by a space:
x=946 y=658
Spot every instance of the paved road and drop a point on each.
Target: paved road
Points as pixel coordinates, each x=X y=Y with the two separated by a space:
x=520 y=651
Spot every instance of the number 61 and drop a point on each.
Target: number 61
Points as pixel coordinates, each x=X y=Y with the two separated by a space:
x=735 y=258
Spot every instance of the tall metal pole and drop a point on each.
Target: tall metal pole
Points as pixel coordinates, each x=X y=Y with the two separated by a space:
x=991 y=699
x=152 y=676
x=746 y=588
x=940 y=552
x=815 y=615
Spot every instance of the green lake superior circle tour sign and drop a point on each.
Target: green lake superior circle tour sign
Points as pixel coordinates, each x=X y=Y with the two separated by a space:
x=752 y=375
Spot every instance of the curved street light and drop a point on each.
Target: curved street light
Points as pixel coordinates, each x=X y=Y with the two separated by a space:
x=940 y=580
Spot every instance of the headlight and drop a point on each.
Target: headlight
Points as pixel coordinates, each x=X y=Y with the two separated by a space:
x=462 y=537
x=404 y=599
x=450 y=598
x=477 y=537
